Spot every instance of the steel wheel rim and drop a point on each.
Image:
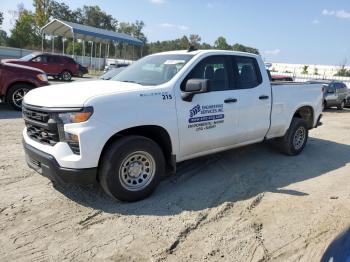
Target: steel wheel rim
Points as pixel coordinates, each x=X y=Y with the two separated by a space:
x=299 y=138
x=18 y=95
x=137 y=171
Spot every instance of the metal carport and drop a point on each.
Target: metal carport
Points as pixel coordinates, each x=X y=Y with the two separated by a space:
x=86 y=33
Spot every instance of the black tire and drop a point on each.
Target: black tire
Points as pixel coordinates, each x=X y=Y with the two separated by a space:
x=290 y=143
x=119 y=182
x=15 y=95
x=66 y=75
x=341 y=106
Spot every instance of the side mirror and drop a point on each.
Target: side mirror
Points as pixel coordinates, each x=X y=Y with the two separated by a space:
x=194 y=86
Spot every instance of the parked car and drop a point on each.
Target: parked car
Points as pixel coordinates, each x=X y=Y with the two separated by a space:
x=111 y=73
x=335 y=93
x=112 y=66
x=281 y=78
x=17 y=80
x=82 y=70
x=347 y=103
x=163 y=109
x=57 y=66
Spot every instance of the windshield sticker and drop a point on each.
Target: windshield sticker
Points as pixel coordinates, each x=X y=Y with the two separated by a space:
x=206 y=117
x=174 y=62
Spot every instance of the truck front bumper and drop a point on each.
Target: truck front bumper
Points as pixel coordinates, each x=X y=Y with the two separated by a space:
x=46 y=165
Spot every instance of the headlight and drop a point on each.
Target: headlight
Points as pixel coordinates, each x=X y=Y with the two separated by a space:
x=42 y=77
x=76 y=117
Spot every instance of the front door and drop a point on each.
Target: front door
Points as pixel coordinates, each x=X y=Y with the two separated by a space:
x=209 y=121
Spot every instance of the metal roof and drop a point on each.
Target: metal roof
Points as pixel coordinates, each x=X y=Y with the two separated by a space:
x=88 y=33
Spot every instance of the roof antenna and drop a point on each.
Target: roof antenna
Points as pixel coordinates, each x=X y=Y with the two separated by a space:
x=191 y=48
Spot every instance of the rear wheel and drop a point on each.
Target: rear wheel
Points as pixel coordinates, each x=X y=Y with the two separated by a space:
x=66 y=75
x=293 y=142
x=16 y=94
x=341 y=106
x=131 y=168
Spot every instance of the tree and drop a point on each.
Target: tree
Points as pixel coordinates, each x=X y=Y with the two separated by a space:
x=133 y=29
x=94 y=16
x=25 y=32
x=43 y=12
x=305 y=70
x=315 y=71
x=1 y=17
x=194 y=40
x=3 y=34
x=221 y=43
x=184 y=42
x=342 y=70
x=62 y=11
x=243 y=48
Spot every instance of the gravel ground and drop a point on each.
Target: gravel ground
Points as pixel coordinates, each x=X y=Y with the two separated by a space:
x=248 y=204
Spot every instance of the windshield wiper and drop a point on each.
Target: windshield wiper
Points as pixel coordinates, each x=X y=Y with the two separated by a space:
x=130 y=81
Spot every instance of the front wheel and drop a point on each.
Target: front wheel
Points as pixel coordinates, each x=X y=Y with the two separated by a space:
x=66 y=76
x=294 y=141
x=16 y=94
x=131 y=168
x=341 y=106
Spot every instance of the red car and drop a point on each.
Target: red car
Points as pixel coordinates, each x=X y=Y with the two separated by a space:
x=17 y=80
x=57 y=66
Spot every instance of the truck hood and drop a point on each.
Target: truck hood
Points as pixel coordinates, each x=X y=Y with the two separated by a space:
x=76 y=94
x=9 y=64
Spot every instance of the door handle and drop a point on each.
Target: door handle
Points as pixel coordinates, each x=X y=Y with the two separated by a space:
x=230 y=100
x=263 y=97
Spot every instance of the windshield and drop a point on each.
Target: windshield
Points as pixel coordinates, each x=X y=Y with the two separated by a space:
x=111 y=73
x=27 y=57
x=153 y=70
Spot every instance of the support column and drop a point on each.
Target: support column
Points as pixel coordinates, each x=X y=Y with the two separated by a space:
x=99 y=58
x=73 y=45
x=42 y=43
x=132 y=53
x=63 y=45
x=92 y=49
x=82 y=59
x=53 y=43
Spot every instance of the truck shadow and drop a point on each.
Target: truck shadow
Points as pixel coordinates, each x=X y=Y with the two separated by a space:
x=230 y=176
x=7 y=112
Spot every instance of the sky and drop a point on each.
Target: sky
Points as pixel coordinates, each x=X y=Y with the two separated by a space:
x=298 y=31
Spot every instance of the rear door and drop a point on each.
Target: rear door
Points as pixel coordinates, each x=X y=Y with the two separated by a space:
x=254 y=99
x=54 y=65
x=331 y=95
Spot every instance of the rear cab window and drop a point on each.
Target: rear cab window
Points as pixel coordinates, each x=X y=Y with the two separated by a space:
x=247 y=72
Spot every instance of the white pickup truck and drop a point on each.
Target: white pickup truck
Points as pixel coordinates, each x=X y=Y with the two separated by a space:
x=165 y=108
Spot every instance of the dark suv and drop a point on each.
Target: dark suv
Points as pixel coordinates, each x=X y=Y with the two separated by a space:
x=57 y=66
x=17 y=80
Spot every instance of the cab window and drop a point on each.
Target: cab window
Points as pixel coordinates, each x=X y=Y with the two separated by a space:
x=213 y=68
x=247 y=72
x=40 y=59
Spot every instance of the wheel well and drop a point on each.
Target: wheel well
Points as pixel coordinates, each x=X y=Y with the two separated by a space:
x=156 y=133
x=17 y=84
x=306 y=113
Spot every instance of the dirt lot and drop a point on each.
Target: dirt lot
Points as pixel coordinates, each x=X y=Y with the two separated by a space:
x=250 y=204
